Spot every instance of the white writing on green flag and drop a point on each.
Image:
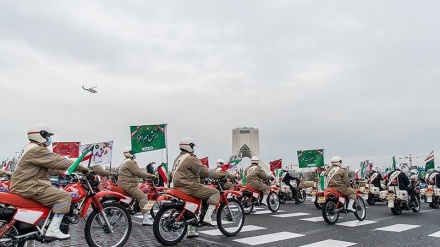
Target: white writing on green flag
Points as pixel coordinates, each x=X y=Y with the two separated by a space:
x=147 y=138
x=311 y=158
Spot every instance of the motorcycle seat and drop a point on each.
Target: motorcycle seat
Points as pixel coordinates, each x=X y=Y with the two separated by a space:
x=333 y=191
x=118 y=189
x=250 y=188
x=19 y=201
x=182 y=195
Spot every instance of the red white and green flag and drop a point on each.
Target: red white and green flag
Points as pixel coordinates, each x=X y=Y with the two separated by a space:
x=100 y=154
x=163 y=172
x=429 y=161
x=205 y=161
x=73 y=167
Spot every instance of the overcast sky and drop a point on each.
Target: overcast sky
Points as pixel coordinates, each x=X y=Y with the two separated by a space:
x=357 y=78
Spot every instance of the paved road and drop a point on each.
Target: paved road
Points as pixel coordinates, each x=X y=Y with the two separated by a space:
x=303 y=225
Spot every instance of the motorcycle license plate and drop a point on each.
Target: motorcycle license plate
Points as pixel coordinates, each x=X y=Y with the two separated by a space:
x=390 y=198
x=321 y=199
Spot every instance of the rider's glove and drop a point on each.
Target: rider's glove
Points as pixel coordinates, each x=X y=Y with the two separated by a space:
x=153 y=177
x=84 y=170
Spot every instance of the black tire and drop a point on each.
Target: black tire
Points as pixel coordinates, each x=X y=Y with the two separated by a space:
x=417 y=207
x=247 y=204
x=10 y=234
x=161 y=225
x=361 y=211
x=301 y=196
x=223 y=215
x=154 y=210
x=318 y=205
x=396 y=210
x=371 y=200
x=435 y=203
x=283 y=199
x=119 y=219
x=273 y=202
x=328 y=213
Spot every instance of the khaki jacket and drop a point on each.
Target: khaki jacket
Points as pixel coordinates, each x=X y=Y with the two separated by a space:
x=31 y=175
x=129 y=174
x=186 y=176
x=340 y=180
x=101 y=171
x=253 y=175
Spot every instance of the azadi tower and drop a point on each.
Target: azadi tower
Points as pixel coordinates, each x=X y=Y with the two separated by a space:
x=246 y=143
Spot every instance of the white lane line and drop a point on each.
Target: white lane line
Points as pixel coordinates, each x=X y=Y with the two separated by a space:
x=328 y=243
x=397 y=228
x=290 y=215
x=355 y=223
x=268 y=238
x=268 y=212
x=248 y=228
x=435 y=234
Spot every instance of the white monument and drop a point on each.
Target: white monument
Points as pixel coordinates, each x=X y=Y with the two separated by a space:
x=246 y=142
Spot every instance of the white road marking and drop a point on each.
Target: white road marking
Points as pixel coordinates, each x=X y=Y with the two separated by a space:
x=268 y=238
x=397 y=228
x=435 y=234
x=267 y=212
x=329 y=242
x=248 y=228
x=290 y=215
x=355 y=223
x=314 y=219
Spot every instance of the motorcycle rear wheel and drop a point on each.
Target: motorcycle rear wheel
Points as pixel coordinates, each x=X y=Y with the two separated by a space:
x=361 y=211
x=417 y=208
x=301 y=196
x=10 y=234
x=166 y=229
x=247 y=203
x=282 y=197
x=371 y=200
x=273 y=202
x=154 y=210
x=396 y=210
x=435 y=203
x=328 y=213
x=230 y=225
x=96 y=230
x=318 y=205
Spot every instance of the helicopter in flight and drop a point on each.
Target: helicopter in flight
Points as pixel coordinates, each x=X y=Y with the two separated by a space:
x=92 y=90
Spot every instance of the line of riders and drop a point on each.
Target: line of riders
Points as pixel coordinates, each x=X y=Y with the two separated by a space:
x=36 y=162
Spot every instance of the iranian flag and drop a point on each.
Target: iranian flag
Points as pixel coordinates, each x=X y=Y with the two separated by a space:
x=73 y=167
x=277 y=173
x=205 y=161
x=163 y=171
x=429 y=161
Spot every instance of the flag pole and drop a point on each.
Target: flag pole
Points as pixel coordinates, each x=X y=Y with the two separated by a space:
x=91 y=157
x=166 y=151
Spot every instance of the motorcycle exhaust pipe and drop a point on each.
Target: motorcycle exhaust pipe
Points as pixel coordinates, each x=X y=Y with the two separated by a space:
x=170 y=204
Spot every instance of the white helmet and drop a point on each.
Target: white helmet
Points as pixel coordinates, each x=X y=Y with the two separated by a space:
x=220 y=162
x=400 y=166
x=375 y=169
x=187 y=144
x=255 y=160
x=39 y=133
x=414 y=172
x=127 y=152
x=326 y=166
x=437 y=168
x=336 y=160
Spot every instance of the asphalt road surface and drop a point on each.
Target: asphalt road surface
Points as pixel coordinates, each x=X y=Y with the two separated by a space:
x=303 y=225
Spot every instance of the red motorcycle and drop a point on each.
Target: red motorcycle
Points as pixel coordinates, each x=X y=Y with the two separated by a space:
x=251 y=197
x=147 y=187
x=4 y=184
x=24 y=219
x=335 y=203
x=178 y=210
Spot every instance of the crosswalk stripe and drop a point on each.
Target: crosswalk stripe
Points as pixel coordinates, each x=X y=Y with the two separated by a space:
x=290 y=215
x=355 y=223
x=329 y=242
x=397 y=228
x=268 y=238
x=248 y=228
x=267 y=212
x=314 y=219
x=435 y=234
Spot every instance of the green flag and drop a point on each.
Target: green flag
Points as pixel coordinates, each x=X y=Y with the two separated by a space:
x=394 y=163
x=147 y=138
x=73 y=167
x=310 y=158
x=242 y=177
x=429 y=161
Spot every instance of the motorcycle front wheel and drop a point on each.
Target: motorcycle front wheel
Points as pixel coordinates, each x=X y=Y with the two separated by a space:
x=273 y=202
x=230 y=217
x=301 y=196
x=328 y=212
x=361 y=211
x=166 y=229
x=96 y=230
x=247 y=203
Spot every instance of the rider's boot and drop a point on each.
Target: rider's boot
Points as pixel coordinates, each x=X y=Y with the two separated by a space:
x=192 y=233
x=146 y=220
x=207 y=218
x=264 y=200
x=53 y=231
x=350 y=205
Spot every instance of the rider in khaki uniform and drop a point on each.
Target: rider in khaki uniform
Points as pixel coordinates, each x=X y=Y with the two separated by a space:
x=187 y=171
x=228 y=185
x=338 y=179
x=254 y=174
x=128 y=179
x=31 y=177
